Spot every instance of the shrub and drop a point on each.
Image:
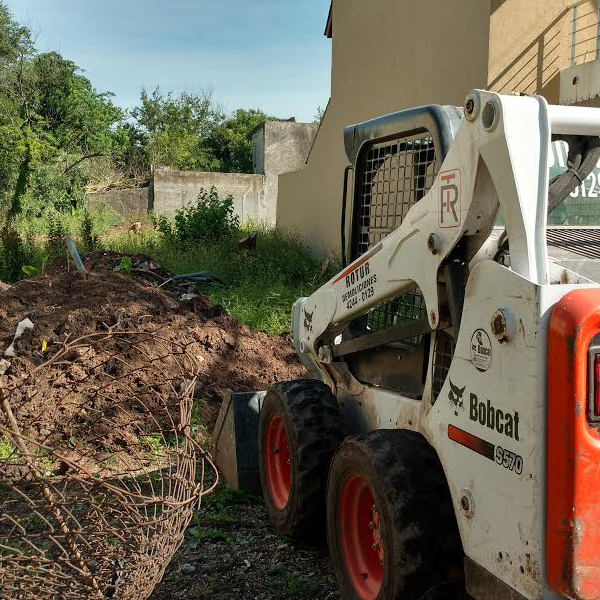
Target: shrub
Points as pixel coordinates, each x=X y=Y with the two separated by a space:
x=14 y=253
x=89 y=238
x=211 y=218
x=56 y=235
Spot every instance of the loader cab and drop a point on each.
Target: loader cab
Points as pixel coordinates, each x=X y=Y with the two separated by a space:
x=395 y=160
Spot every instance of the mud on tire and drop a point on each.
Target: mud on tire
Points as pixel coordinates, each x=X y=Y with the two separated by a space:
x=391 y=526
x=304 y=415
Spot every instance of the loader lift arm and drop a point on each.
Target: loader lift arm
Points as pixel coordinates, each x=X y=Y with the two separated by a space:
x=497 y=161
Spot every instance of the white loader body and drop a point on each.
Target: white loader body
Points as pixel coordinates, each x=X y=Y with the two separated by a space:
x=488 y=422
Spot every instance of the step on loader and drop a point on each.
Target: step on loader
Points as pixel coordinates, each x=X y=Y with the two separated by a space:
x=448 y=442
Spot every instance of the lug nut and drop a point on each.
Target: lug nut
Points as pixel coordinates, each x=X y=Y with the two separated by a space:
x=371 y=525
x=374 y=547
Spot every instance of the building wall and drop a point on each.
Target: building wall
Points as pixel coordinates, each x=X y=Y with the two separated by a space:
x=286 y=146
x=387 y=55
x=174 y=190
x=531 y=42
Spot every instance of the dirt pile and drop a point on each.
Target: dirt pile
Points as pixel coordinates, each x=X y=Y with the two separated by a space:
x=64 y=305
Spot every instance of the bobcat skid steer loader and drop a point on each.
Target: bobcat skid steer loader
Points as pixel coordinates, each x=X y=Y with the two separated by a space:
x=449 y=443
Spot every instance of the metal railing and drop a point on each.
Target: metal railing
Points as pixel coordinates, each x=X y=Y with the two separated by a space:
x=585 y=32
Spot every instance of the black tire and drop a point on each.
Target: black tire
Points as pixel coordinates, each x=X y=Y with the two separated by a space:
x=421 y=552
x=312 y=423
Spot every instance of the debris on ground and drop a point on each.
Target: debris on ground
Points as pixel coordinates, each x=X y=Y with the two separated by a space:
x=230 y=551
x=65 y=304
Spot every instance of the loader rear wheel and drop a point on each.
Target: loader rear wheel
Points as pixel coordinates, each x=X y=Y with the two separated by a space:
x=391 y=526
x=299 y=431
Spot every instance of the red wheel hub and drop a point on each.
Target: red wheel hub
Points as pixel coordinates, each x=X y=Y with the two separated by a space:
x=359 y=537
x=277 y=462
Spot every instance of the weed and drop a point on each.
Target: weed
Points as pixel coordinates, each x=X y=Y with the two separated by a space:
x=15 y=253
x=198 y=535
x=261 y=285
x=30 y=270
x=155 y=444
x=7 y=449
x=125 y=265
x=290 y=585
x=225 y=496
x=57 y=233
x=89 y=238
x=211 y=218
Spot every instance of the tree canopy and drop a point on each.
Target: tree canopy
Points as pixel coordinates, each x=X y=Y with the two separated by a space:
x=59 y=135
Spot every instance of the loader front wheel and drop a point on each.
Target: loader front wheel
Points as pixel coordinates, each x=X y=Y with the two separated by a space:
x=391 y=526
x=299 y=431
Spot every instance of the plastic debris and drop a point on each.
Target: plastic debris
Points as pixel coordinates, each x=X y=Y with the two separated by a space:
x=21 y=328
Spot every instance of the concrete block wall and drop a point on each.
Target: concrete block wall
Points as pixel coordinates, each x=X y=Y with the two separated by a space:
x=278 y=147
x=131 y=203
x=174 y=190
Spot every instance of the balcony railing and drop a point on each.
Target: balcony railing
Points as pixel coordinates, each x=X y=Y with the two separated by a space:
x=585 y=32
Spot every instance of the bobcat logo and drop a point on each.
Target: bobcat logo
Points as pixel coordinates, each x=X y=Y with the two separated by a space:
x=455 y=397
x=479 y=338
x=308 y=320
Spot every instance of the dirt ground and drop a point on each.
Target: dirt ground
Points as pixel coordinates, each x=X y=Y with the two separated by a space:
x=230 y=551
x=64 y=305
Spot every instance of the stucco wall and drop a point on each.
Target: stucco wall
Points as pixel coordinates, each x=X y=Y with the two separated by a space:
x=286 y=146
x=387 y=55
x=176 y=189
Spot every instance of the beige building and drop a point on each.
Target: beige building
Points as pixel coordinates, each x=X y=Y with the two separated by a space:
x=389 y=55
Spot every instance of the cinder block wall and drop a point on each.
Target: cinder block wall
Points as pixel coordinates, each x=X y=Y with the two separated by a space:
x=278 y=147
x=176 y=189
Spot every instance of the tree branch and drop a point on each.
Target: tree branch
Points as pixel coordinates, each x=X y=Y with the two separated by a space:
x=77 y=162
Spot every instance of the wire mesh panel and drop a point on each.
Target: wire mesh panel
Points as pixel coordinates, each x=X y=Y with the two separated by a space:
x=98 y=476
x=443 y=351
x=393 y=176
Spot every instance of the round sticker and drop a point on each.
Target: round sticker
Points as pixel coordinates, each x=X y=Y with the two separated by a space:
x=481 y=350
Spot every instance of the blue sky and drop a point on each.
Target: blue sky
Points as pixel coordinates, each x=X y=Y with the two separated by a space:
x=268 y=54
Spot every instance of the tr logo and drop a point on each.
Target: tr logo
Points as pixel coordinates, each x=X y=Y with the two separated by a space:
x=449 y=214
x=455 y=397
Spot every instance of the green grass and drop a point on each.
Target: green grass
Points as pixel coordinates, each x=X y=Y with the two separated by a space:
x=261 y=285
x=7 y=448
x=35 y=227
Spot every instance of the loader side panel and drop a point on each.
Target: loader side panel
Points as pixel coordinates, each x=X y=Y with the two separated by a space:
x=573 y=524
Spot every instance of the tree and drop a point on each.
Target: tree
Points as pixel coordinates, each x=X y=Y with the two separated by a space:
x=49 y=113
x=231 y=140
x=189 y=132
x=176 y=127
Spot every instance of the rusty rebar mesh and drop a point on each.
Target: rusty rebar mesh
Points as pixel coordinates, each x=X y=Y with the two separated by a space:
x=98 y=468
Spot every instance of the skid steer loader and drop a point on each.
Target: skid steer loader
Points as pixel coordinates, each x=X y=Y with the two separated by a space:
x=449 y=443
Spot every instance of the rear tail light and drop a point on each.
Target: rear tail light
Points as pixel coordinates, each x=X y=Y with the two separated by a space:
x=594 y=381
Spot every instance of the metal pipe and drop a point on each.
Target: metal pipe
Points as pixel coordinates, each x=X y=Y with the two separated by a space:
x=76 y=258
x=574 y=36
x=580 y=120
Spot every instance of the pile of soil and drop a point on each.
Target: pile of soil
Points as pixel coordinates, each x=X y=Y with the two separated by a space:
x=64 y=304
